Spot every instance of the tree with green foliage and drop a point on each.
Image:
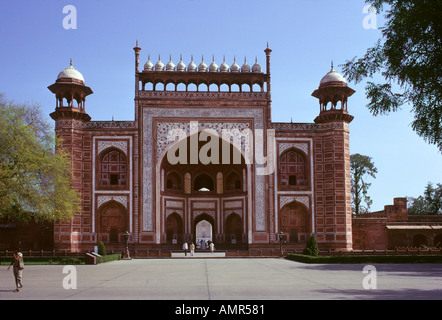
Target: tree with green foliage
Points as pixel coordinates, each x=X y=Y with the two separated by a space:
x=311 y=248
x=429 y=203
x=361 y=167
x=34 y=174
x=409 y=58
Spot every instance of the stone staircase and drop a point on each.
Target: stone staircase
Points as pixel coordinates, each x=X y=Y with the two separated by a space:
x=198 y=254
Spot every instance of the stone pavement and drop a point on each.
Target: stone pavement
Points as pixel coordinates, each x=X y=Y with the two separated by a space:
x=223 y=279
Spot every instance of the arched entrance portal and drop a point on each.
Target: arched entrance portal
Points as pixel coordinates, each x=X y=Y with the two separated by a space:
x=207 y=187
x=204 y=231
x=112 y=222
x=174 y=228
x=294 y=221
x=234 y=229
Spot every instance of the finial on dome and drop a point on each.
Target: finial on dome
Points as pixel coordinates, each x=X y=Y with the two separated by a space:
x=267 y=44
x=332 y=65
x=71 y=62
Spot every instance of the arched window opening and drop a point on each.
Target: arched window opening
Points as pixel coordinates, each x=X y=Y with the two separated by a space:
x=256 y=88
x=202 y=87
x=113 y=169
x=148 y=86
x=213 y=87
x=224 y=88
x=159 y=86
x=173 y=181
x=192 y=87
x=235 y=87
x=181 y=87
x=245 y=87
x=170 y=86
x=293 y=169
x=233 y=182
x=203 y=183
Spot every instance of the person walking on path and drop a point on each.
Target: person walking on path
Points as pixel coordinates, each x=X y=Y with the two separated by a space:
x=192 y=249
x=212 y=247
x=185 y=248
x=17 y=268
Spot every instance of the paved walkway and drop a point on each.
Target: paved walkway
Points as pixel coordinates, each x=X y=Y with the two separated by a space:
x=224 y=279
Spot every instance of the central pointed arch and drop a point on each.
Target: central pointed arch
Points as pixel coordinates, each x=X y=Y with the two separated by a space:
x=202 y=182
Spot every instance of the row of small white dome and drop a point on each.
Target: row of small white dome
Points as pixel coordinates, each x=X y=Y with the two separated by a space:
x=213 y=67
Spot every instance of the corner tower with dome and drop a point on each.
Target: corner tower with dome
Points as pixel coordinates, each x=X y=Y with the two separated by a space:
x=129 y=177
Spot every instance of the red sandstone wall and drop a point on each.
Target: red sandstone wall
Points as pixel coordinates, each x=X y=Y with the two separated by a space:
x=370 y=234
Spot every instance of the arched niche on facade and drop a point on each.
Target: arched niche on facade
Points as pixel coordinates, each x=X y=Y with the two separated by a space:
x=174 y=228
x=112 y=169
x=294 y=221
x=234 y=228
x=112 y=222
x=293 y=170
x=203 y=182
x=174 y=181
x=233 y=182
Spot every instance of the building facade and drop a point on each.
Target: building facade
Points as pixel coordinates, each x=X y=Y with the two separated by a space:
x=203 y=161
x=393 y=228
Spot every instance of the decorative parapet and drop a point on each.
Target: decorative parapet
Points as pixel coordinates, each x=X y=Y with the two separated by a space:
x=286 y=126
x=211 y=95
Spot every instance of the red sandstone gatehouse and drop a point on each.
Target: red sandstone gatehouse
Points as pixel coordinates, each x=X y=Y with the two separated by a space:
x=174 y=175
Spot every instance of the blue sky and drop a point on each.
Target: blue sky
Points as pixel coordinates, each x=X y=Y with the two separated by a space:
x=305 y=35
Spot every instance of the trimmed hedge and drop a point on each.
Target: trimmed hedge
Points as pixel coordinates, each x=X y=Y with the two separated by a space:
x=45 y=260
x=365 y=259
x=59 y=260
x=109 y=257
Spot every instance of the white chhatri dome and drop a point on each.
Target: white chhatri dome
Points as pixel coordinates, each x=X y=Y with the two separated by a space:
x=213 y=66
x=332 y=76
x=245 y=67
x=224 y=66
x=192 y=66
x=256 y=67
x=181 y=66
x=170 y=65
x=148 y=66
x=70 y=73
x=159 y=66
x=234 y=67
x=203 y=66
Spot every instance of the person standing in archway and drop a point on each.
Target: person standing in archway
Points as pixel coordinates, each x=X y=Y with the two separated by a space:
x=212 y=247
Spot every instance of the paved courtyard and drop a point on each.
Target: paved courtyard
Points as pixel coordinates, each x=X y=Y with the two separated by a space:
x=224 y=279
